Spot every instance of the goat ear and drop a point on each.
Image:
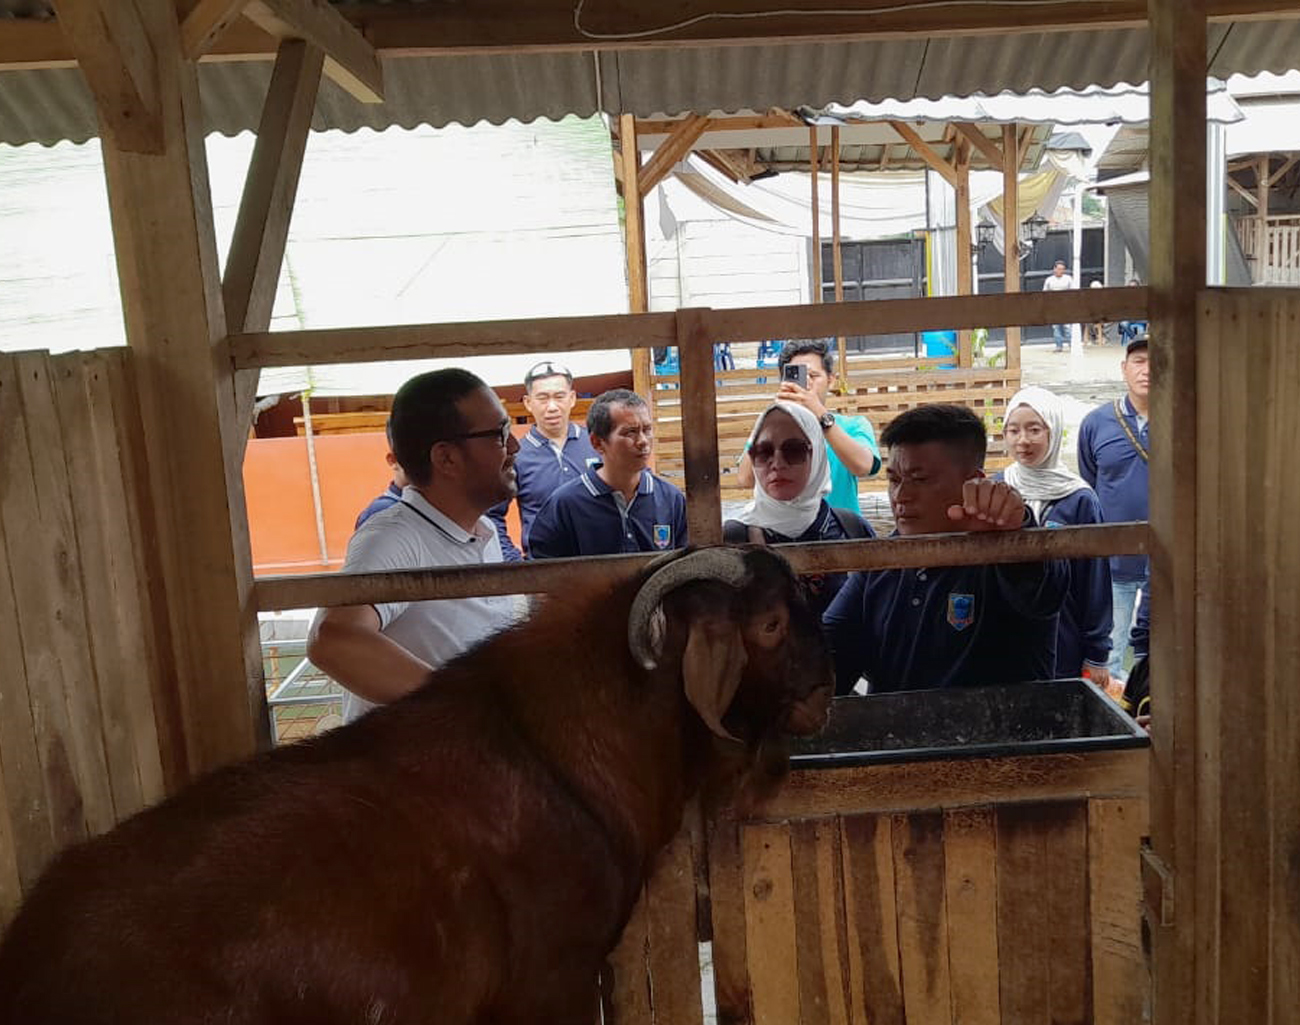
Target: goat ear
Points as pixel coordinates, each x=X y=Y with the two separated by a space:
x=712 y=664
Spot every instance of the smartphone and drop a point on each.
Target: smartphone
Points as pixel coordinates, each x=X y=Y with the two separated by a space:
x=796 y=372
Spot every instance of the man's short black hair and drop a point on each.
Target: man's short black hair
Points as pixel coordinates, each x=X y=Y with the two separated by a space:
x=954 y=425
x=801 y=347
x=424 y=411
x=546 y=368
x=1058 y=263
x=600 y=421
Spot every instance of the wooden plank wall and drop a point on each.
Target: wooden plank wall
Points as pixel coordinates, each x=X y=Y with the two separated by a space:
x=1247 y=791
x=878 y=389
x=980 y=915
x=84 y=719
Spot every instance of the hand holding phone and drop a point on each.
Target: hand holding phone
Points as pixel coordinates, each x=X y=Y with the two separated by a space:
x=795 y=372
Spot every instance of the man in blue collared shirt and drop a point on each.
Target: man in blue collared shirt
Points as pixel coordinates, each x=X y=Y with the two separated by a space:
x=553 y=452
x=620 y=506
x=947 y=626
x=1113 y=450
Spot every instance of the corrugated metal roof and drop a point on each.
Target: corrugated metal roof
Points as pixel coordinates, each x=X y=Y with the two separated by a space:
x=48 y=105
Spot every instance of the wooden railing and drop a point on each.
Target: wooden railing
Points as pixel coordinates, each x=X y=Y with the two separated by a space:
x=694 y=332
x=1277 y=261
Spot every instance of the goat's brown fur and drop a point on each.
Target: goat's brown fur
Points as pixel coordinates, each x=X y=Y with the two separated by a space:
x=469 y=854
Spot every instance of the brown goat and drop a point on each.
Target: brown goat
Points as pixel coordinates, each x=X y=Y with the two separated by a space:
x=469 y=854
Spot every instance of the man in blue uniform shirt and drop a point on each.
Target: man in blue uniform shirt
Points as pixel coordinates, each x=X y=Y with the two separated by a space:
x=949 y=626
x=553 y=452
x=1113 y=449
x=620 y=506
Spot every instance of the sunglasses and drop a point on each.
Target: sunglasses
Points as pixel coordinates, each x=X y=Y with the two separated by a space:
x=794 y=452
x=501 y=434
x=546 y=369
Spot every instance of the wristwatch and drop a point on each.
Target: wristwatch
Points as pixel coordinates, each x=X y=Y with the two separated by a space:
x=827 y=420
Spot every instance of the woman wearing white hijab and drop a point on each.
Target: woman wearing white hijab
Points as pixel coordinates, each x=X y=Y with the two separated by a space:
x=791 y=480
x=1057 y=496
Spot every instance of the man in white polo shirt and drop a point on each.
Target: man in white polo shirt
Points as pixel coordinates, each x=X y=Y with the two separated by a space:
x=452 y=437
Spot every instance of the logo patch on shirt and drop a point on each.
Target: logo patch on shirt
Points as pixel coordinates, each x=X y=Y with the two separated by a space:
x=663 y=535
x=961 y=610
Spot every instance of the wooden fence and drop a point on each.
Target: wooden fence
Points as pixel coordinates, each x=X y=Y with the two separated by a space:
x=980 y=892
x=84 y=716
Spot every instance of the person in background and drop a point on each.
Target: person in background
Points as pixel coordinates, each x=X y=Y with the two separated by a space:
x=1059 y=281
x=852 y=451
x=452 y=436
x=1095 y=333
x=554 y=451
x=1034 y=430
x=620 y=506
x=392 y=493
x=788 y=450
x=953 y=626
x=1130 y=329
x=1113 y=451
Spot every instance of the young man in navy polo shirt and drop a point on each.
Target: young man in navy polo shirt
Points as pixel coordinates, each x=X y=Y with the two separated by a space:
x=620 y=506
x=1113 y=449
x=946 y=626
x=553 y=452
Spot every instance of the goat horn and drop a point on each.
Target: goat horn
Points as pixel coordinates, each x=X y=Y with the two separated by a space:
x=725 y=565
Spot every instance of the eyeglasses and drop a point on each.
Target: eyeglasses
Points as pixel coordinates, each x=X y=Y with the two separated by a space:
x=794 y=452
x=501 y=434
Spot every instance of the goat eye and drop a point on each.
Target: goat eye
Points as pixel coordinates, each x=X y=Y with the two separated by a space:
x=772 y=626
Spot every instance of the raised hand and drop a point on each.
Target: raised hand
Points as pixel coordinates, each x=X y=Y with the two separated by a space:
x=987 y=505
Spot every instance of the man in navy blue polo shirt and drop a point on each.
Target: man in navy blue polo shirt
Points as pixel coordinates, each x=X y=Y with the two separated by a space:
x=620 y=506
x=553 y=452
x=1113 y=450
x=952 y=626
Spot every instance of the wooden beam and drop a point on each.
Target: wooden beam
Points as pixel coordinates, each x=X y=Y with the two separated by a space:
x=546 y=26
x=634 y=249
x=837 y=257
x=350 y=61
x=1011 y=236
x=699 y=428
x=117 y=57
x=984 y=144
x=1261 y=216
x=1281 y=172
x=721 y=162
x=555 y=575
x=925 y=151
x=262 y=227
x=1242 y=191
x=670 y=151
x=644 y=331
x=906 y=786
x=815 y=208
x=965 y=272
x=1184 y=792
x=163 y=232
x=752 y=122
x=206 y=23
x=500 y=25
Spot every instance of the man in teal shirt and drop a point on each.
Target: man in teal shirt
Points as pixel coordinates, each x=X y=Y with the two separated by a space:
x=850 y=440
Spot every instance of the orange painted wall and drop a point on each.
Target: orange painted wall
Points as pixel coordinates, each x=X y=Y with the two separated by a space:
x=277 y=486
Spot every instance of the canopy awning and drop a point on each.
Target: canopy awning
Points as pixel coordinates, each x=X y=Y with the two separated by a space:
x=49 y=104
